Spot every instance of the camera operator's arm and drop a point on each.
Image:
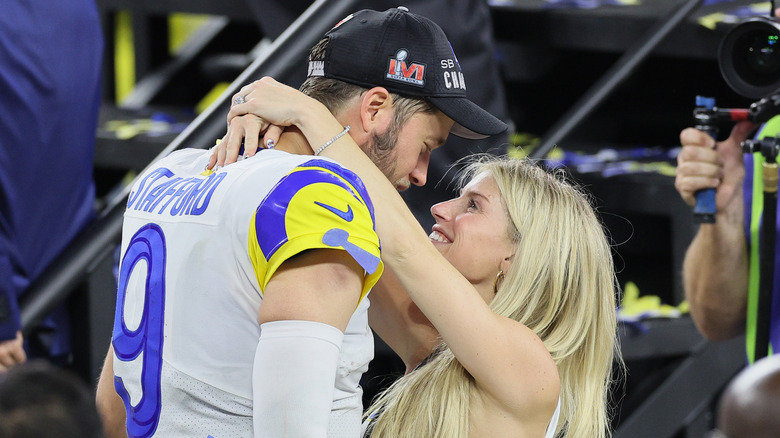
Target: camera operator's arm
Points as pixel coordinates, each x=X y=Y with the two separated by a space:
x=715 y=270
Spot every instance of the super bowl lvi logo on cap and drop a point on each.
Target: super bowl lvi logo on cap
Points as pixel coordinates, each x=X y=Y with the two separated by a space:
x=398 y=70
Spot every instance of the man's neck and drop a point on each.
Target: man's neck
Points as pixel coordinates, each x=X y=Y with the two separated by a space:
x=293 y=141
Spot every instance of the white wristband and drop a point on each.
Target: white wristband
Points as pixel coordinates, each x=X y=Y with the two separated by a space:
x=329 y=142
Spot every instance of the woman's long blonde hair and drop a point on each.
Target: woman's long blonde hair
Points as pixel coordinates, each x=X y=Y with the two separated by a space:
x=561 y=285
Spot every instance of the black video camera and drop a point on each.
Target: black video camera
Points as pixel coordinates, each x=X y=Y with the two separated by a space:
x=749 y=60
x=749 y=57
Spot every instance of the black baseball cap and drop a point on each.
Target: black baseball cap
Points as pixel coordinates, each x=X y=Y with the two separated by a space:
x=407 y=54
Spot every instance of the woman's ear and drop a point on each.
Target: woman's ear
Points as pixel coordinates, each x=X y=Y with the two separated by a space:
x=376 y=110
x=506 y=262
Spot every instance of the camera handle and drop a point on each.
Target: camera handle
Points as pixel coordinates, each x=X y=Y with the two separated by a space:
x=708 y=116
x=769 y=148
x=706 y=120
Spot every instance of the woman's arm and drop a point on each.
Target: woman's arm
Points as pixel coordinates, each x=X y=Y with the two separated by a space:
x=506 y=359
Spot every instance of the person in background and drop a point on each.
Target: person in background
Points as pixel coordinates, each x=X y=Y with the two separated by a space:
x=50 y=93
x=750 y=405
x=41 y=400
x=720 y=270
x=721 y=266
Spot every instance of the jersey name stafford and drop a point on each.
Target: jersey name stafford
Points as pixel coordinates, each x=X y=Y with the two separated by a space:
x=162 y=192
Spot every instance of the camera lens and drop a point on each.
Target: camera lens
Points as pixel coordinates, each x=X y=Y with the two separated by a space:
x=749 y=58
x=761 y=60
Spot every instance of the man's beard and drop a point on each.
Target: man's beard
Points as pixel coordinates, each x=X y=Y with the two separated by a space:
x=381 y=150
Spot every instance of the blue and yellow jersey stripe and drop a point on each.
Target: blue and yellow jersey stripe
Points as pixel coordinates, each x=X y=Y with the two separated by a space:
x=316 y=205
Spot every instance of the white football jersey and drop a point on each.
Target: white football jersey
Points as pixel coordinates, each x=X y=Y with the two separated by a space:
x=198 y=248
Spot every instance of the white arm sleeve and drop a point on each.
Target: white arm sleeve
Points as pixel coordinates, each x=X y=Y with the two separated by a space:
x=293 y=378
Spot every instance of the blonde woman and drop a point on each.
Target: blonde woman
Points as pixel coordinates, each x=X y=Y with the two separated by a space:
x=516 y=279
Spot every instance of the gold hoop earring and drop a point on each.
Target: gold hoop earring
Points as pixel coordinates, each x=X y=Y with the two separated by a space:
x=497 y=282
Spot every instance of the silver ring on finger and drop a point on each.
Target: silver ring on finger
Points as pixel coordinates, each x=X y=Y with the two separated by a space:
x=239 y=100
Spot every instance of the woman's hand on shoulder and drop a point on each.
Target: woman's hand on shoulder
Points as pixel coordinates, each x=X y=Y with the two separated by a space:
x=245 y=131
x=259 y=113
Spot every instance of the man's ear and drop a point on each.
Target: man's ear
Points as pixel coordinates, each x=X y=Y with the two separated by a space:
x=376 y=110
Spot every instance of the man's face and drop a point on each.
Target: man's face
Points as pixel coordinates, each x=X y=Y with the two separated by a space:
x=402 y=153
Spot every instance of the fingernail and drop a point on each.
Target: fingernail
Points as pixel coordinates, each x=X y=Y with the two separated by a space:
x=269 y=144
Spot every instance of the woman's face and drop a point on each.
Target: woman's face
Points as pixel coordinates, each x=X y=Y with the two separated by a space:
x=471 y=232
